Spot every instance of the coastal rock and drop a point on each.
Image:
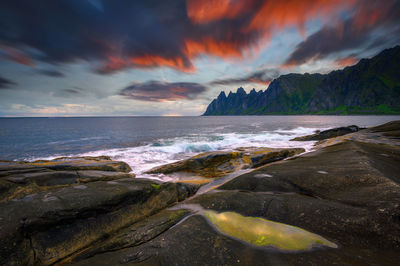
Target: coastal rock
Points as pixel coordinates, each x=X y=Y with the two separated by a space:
x=134 y=235
x=45 y=227
x=101 y=163
x=50 y=210
x=347 y=194
x=18 y=179
x=327 y=134
x=391 y=129
x=333 y=206
x=220 y=163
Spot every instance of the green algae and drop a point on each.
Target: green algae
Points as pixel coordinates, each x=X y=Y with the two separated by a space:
x=156 y=187
x=261 y=232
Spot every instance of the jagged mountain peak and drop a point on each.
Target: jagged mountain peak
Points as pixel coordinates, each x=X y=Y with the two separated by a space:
x=372 y=86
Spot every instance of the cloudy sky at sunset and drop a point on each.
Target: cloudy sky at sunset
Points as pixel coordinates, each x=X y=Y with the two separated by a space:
x=172 y=57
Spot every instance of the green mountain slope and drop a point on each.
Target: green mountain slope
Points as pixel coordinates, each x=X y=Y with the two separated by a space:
x=372 y=86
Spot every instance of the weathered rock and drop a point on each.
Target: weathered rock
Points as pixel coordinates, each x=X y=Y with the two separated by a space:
x=338 y=205
x=47 y=226
x=18 y=179
x=347 y=193
x=391 y=129
x=194 y=241
x=390 y=126
x=134 y=235
x=219 y=163
x=330 y=133
x=101 y=163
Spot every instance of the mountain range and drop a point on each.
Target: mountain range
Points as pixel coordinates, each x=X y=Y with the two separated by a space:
x=372 y=86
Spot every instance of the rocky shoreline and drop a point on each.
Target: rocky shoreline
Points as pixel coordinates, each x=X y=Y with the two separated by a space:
x=339 y=204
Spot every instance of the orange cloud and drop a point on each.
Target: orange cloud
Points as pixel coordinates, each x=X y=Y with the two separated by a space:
x=17 y=56
x=211 y=46
x=115 y=63
x=260 y=81
x=281 y=14
x=155 y=60
x=350 y=33
x=262 y=20
x=346 y=61
x=250 y=24
x=239 y=26
x=265 y=15
x=204 y=11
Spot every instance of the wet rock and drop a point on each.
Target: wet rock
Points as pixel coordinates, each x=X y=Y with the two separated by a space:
x=391 y=129
x=134 y=235
x=47 y=215
x=347 y=193
x=18 y=179
x=194 y=241
x=340 y=204
x=220 y=163
x=390 y=126
x=101 y=163
x=330 y=133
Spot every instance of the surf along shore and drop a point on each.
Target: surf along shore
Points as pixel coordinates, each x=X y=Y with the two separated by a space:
x=339 y=204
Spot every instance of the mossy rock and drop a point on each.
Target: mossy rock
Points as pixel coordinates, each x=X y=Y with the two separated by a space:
x=221 y=163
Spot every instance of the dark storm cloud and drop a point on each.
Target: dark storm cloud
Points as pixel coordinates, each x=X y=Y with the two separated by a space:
x=157 y=91
x=52 y=73
x=117 y=34
x=370 y=25
x=262 y=76
x=6 y=84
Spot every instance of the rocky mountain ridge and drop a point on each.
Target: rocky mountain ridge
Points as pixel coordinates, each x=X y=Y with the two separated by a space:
x=372 y=86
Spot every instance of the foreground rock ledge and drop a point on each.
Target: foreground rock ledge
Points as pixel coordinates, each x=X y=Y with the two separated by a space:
x=48 y=215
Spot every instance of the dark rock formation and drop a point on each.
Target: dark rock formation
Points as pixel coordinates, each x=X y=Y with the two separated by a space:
x=338 y=205
x=348 y=193
x=46 y=215
x=18 y=179
x=370 y=87
x=327 y=134
x=219 y=163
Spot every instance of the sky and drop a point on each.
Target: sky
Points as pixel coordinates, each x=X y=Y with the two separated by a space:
x=172 y=57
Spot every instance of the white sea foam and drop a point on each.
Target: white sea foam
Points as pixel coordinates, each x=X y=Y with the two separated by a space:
x=163 y=151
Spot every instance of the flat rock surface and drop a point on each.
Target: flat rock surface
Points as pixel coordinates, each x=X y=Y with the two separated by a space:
x=330 y=133
x=18 y=179
x=220 y=163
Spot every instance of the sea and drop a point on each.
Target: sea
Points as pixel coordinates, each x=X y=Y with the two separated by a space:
x=147 y=142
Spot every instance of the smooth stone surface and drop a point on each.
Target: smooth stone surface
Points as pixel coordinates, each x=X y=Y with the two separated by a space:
x=51 y=225
x=19 y=179
x=220 y=163
x=330 y=133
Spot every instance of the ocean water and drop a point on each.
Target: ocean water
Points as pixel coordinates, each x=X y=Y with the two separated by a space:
x=146 y=142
